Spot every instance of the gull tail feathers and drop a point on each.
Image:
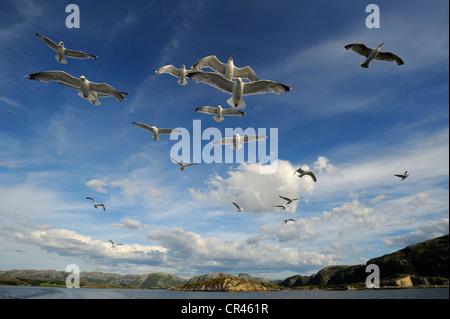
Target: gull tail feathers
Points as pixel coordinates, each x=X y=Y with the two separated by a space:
x=239 y=104
x=60 y=60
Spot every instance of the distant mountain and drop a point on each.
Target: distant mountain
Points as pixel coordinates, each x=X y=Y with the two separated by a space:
x=425 y=263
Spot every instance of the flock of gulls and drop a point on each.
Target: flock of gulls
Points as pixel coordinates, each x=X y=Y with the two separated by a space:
x=226 y=77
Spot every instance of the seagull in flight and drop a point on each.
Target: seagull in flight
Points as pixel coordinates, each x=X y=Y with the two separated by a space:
x=237 y=140
x=156 y=131
x=403 y=176
x=88 y=90
x=112 y=243
x=181 y=73
x=303 y=172
x=219 y=112
x=95 y=204
x=238 y=88
x=182 y=165
x=63 y=52
x=373 y=54
x=227 y=69
x=288 y=220
x=239 y=208
x=289 y=200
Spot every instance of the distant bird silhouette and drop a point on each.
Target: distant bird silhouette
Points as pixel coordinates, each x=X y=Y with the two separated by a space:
x=289 y=200
x=182 y=165
x=284 y=206
x=373 y=54
x=403 y=176
x=302 y=173
x=95 y=204
x=112 y=243
x=239 y=208
x=288 y=220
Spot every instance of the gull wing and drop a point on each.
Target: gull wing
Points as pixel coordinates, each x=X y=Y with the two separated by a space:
x=57 y=76
x=207 y=110
x=285 y=198
x=145 y=127
x=214 y=80
x=231 y=111
x=310 y=173
x=359 y=48
x=91 y=199
x=78 y=54
x=223 y=141
x=170 y=69
x=245 y=72
x=104 y=208
x=211 y=62
x=49 y=42
x=105 y=90
x=265 y=86
x=177 y=162
x=167 y=131
x=388 y=57
x=251 y=138
x=237 y=206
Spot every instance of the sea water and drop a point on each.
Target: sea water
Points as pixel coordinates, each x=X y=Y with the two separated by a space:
x=22 y=292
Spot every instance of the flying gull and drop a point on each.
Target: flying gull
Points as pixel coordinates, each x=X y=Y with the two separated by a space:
x=95 y=203
x=289 y=200
x=284 y=206
x=239 y=208
x=227 y=69
x=90 y=91
x=112 y=243
x=156 y=131
x=237 y=140
x=182 y=165
x=63 y=52
x=179 y=73
x=238 y=89
x=403 y=176
x=373 y=54
x=308 y=172
x=219 y=112
x=288 y=220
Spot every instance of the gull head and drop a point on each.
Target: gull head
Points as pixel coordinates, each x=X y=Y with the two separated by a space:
x=380 y=44
x=61 y=44
x=83 y=78
x=231 y=58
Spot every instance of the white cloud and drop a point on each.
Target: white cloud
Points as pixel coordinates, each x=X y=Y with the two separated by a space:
x=254 y=191
x=97 y=185
x=129 y=224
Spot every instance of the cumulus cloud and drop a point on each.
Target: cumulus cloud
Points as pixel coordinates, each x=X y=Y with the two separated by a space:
x=97 y=185
x=70 y=243
x=323 y=164
x=256 y=192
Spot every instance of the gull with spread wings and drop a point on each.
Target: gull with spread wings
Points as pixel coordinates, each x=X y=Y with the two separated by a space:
x=219 y=112
x=88 y=90
x=156 y=131
x=95 y=203
x=63 y=52
x=181 y=73
x=238 y=88
x=182 y=165
x=237 y=140
x=373 y=54
x=227 y=69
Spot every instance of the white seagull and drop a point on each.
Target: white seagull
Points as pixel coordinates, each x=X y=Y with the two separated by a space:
x=90 y=91
x=239 y=208
x=156 y=131
x=284 y=206
x=237 y=140
x=219 y=112
x=181 y=73
x=95 y=203
x=403 y=176
x=182 y=165
x=227 y=69
x=308 y=172
x=63 y=52
x=112 y=243
x=238 y=89
x=373 y=54
x=288 y=220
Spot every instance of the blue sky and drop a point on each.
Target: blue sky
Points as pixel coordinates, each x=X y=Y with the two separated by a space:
x=354 y=127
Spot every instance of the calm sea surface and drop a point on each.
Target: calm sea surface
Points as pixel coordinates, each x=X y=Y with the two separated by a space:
x=20 y=292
